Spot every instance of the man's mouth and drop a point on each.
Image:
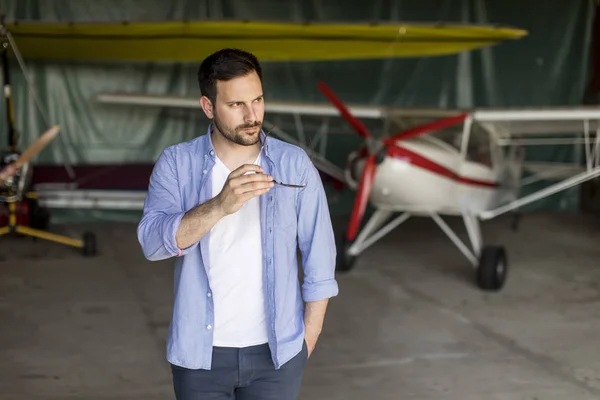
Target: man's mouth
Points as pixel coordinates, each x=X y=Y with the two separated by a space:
x=250 y=128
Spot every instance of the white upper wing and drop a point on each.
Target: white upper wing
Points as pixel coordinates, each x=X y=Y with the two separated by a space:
x=302 y=108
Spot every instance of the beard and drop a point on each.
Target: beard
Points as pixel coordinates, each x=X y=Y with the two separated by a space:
x=237 y=135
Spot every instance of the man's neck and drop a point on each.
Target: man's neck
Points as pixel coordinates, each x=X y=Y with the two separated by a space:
x=233 y=155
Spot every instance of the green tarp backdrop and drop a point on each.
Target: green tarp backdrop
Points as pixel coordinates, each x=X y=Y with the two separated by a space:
x=550 y=66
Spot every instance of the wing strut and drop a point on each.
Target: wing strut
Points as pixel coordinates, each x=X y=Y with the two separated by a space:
x=540 y=194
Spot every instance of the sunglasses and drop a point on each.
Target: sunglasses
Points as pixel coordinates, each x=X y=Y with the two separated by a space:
x=274 y=181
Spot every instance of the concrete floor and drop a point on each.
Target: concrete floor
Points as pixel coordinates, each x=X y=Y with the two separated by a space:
x=408 y=324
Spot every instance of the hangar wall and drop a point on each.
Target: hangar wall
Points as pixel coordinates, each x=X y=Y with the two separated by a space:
x=550 y=66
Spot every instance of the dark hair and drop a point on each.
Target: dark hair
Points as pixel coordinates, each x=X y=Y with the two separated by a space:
x=224 y=65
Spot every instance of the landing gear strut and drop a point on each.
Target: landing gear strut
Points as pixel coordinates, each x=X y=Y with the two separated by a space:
x=490 y=262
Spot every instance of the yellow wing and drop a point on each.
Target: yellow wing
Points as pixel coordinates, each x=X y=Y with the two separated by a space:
x=193 y=41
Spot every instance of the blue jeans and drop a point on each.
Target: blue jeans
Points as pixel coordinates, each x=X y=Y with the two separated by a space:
x=242 y=374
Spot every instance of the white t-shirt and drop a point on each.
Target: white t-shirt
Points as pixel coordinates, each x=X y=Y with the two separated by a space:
x=235 y=272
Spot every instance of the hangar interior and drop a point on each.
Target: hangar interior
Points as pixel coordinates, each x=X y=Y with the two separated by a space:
x=410 y=321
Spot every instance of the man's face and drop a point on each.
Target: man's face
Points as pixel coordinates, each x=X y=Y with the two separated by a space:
x=239 y=109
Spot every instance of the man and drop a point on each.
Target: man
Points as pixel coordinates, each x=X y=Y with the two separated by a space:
x=243 y=325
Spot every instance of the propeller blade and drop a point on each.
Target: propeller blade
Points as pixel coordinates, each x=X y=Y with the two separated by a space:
x=30 y=152
x=362 y=197
x=421 y=129
x=37 y=146
x=351 y=119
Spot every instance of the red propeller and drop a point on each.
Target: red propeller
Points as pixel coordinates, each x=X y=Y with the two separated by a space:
x=368 y=173
x=352 y=120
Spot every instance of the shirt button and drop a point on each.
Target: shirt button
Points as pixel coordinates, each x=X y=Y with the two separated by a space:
x=208 y=294
x=212 y=152
x=209 y=327
x=204 y=172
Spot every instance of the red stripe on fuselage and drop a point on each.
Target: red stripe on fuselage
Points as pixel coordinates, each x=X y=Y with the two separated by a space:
x=418 y=160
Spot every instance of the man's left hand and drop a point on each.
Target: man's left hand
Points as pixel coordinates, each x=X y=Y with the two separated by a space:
x=311 y=342
x=314 y=313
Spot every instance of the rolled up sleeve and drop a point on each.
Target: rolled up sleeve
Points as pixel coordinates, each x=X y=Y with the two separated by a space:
x=316 y=239
x=162 y=212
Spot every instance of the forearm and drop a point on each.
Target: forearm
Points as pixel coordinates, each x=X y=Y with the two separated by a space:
x=314 y=316
x=197 y=222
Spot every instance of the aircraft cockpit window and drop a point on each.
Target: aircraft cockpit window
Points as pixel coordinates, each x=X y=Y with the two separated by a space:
x=478 y=148
x=451 y=136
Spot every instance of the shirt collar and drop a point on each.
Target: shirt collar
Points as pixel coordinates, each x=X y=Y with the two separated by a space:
x=263 y=137
x=211 y=149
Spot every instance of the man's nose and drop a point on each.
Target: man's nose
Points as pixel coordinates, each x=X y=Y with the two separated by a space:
x=250 y=114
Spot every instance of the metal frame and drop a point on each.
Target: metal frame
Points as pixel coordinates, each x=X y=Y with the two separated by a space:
x=369 y=234
x=573 y=175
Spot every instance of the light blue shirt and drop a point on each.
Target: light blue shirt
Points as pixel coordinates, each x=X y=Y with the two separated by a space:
x=290 y=219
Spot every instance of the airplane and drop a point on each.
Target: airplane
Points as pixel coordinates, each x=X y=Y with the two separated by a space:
x=434 y=163
x=20 y=211
x=469 y=164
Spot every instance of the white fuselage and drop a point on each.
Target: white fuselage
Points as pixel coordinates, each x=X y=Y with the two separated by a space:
x=428 y=175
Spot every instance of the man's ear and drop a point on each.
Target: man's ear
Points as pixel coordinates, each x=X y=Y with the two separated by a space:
x=207 y=106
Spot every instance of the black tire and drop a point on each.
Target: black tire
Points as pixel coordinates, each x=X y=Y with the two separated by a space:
x=516 y=221
x=345 y=262
x=39 y=217
x=493 y=268
x=89 y=244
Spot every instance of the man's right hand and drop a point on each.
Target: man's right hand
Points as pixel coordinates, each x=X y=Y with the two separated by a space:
x=239 y=188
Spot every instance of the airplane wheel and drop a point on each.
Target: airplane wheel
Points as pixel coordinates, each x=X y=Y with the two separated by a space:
x=493 y=268
x=40 y=217
x=345 y=261
x=89 y=244
x=516 y=221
